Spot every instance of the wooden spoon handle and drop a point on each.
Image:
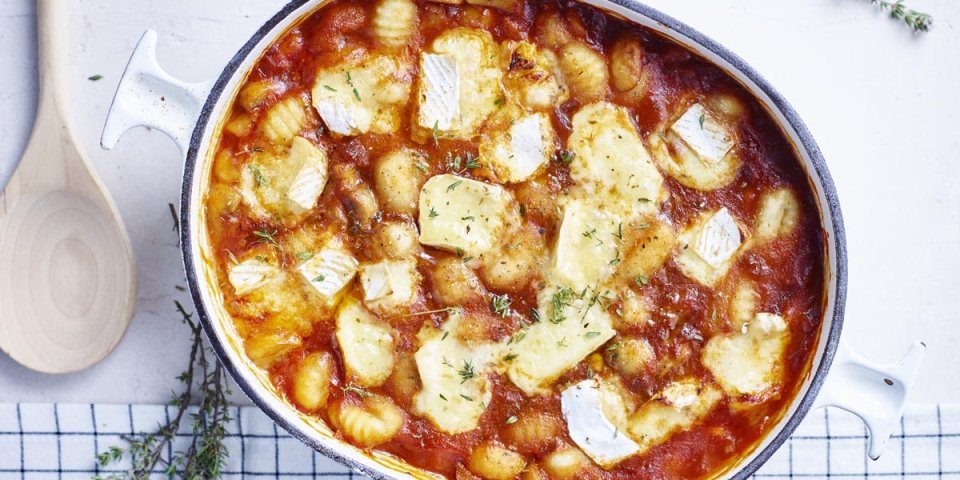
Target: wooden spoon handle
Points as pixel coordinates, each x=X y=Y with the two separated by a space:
x=52 y=28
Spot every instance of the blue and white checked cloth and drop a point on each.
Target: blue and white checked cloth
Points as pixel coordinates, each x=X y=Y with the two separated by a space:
x=59 y=441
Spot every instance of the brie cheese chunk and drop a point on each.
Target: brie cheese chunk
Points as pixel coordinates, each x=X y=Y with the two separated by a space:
x=329 y=270
x=611 y=165
x=250 y=275
x=709 y=247
x=454 y=375
x=521 y=151
x=389 y=284
x=441 y=96
x=356 y=97
x=308 y=184
x=748 y=362
x=366 y=343
x=340 y=119
x=678 y=406
x=587 y=251
x=718 y=239
x=463 y=215
x=703 y=134
x=573 y=325
x=588 y=425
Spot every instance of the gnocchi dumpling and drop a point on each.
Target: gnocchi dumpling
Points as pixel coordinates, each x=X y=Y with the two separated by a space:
x=585 y=70
x=311 y=383
x=748 y=361
x=395 y=21
x=374 y=420
x=366 y=342
x=679 y=405
x=495 y=462
x=284 y=120
x=397 y=177
x=778 y=216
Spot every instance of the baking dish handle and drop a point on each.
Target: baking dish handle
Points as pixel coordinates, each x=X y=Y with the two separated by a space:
x=877 y=394
x=148 y=96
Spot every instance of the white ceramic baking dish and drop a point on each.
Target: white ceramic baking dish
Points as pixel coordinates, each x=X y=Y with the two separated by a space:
x=193 y=114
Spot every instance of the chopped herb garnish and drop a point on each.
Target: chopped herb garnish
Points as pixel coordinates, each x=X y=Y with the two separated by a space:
x=233 y=258
x=421 y=166
x=500 y=304
x=468 y=218
x=258 y=175
x=304 y=256
x=472 y=162
x=319 y=278
x=641 y=280
x=523 y=210
x=511 y=420
x=460 y=252
x=644 y=200
x=591 y=334
x=433 y=213
x=562 y=342
x=445 y=335
x=436 y=138
x=356 y=94
x=469 y=399
x=499 y=101
x=703 y=118
x=535 y=314
x=442 y=397
x=510 y=357
x=560 y=299
x=266 y=237
x=94 y=78
x=454 y=185
x=359 y=391
x=616 y=259
x=328 y=87
x=619 y=233
x=467 y=372
x=565 y=157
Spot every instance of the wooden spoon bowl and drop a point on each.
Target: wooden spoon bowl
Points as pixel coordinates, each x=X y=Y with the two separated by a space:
x=67 y=275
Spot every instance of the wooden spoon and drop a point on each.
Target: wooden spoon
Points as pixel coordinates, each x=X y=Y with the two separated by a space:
x=67 y=276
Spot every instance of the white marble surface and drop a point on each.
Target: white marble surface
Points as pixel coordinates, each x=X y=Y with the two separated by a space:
x=882 y=103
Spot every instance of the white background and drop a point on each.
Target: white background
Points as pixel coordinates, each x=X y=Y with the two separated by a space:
x=883 y=104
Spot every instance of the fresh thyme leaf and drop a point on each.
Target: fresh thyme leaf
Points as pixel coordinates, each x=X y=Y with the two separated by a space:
x=644 y=200
x=471 y=161
x=523 y=210
x=357 y=390
x=266 y=237
x=703 y=118
x=176 y=220
x=319 y=278
x=500 y=304
x=917 y=21
x=510 y=357
x=560 y=299
x=356 y=94
x=421 y=165
x=511 y=420
x=433 y=213
x=454 y=185
x=233 y=258
x=565 y=157
x=535 y=314
x=468 y=218
x=304 y=256
x=641 y=280
x=258 y=175
x=204 y=379
x=616 y=259
x=467 y=372
x=442 y=397
x=467 y=398
x=499 y=101
x=328 y=87
x=591 y=334
x=94 y=78
x=436 y=137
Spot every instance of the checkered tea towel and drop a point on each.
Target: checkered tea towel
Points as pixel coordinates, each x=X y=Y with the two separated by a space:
x=60 y=441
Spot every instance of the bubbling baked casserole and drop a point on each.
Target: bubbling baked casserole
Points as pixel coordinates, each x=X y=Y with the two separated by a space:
x=516 y=238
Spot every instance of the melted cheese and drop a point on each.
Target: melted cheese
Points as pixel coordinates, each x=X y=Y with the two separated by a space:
x=778 y=216
x=703 y=134
x=329 y=270
x=587 y=249
x=521 y=151
x=366 y=343
x=456 y=390
x=459 y=83
x=709 y=246
x=573 y=324
x=611 y=165
x=678 y=406
x=589 y=426
x=354 y=98
x=463 y=215
x=389 y=284
x=748 y=362
x=250 y=275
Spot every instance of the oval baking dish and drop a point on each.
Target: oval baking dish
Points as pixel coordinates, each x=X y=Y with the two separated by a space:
x=197 y=115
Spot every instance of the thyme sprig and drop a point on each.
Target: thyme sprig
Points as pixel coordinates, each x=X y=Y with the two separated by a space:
x=206 y=453
x=917 y=21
